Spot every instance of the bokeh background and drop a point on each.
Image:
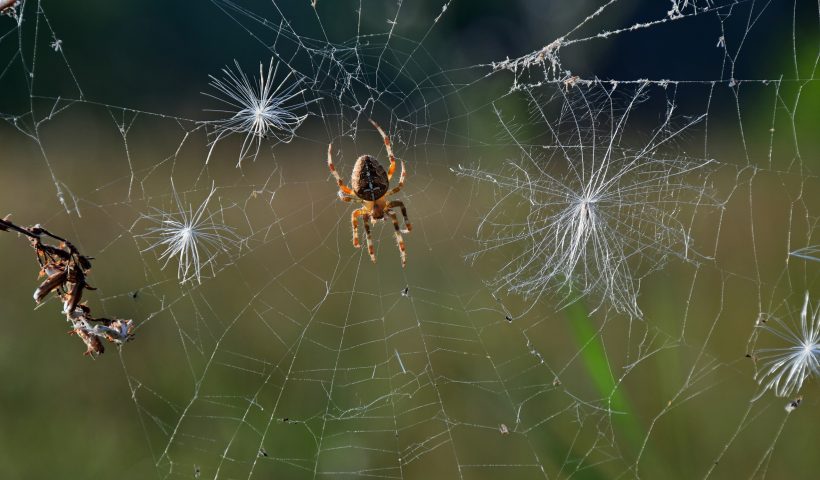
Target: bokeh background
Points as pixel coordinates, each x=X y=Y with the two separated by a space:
x=300 y=358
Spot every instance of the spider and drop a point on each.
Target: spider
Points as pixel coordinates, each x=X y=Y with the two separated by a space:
x=370 y=185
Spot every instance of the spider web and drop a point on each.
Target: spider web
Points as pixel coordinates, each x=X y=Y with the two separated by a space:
x=627 y=227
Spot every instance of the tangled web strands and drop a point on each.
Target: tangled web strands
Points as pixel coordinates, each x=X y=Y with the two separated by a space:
x=640 y=245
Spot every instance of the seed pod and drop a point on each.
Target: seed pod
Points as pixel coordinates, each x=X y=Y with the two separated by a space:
x=51 y=283
x=73 y=297
x=94 y=346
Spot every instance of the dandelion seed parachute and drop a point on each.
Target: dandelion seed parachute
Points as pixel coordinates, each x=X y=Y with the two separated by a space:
x=588 y=214
x=188 y=235
x=786 y=368
x=259 y=108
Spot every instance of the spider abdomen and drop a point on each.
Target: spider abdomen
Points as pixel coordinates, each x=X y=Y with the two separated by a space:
x=369 y=180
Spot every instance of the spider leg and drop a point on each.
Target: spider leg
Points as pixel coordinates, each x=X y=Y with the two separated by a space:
x=398 y=203
x=387 y=145
x=348 y=199
x=369 y=237
x=398 y=187
x=355 y=222
x=342 y=187
x=399 y=239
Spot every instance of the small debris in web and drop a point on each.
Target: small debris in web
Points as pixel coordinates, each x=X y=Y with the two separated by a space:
x=503 y=429
x=263 y=452
x=66 y=271
x=792 y=406
x=405 y=292
x=508 y=318
x=9 y=7
x=196 y=471
x=401 y=364
x=135 y=293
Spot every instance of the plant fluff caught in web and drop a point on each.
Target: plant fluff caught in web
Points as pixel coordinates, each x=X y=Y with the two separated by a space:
x=582 y=210
x=190 y=236
x=785 y=368
x=259 y=109
x=812 y=252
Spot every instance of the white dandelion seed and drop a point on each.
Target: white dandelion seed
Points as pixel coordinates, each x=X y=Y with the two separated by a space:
x=578 y=215
x=190 y=236
x=259 y=109
x=786 y=368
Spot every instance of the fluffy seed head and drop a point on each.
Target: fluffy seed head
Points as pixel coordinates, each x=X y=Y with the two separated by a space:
x=259 y=108
x=587 y=213
x=190 y=236
x=785 y=368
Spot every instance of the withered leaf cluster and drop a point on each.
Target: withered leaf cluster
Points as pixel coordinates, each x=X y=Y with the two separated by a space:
x=66 y=271
x=7 y=7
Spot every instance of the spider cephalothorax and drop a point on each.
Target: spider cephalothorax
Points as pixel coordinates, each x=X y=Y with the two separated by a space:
x=370 y=185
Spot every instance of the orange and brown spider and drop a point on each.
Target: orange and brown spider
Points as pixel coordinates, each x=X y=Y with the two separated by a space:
x=370 y=184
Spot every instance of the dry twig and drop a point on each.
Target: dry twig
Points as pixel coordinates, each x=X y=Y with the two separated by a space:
x=66 y=271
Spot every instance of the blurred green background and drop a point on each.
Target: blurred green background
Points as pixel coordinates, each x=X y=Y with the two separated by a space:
x=303 y=348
